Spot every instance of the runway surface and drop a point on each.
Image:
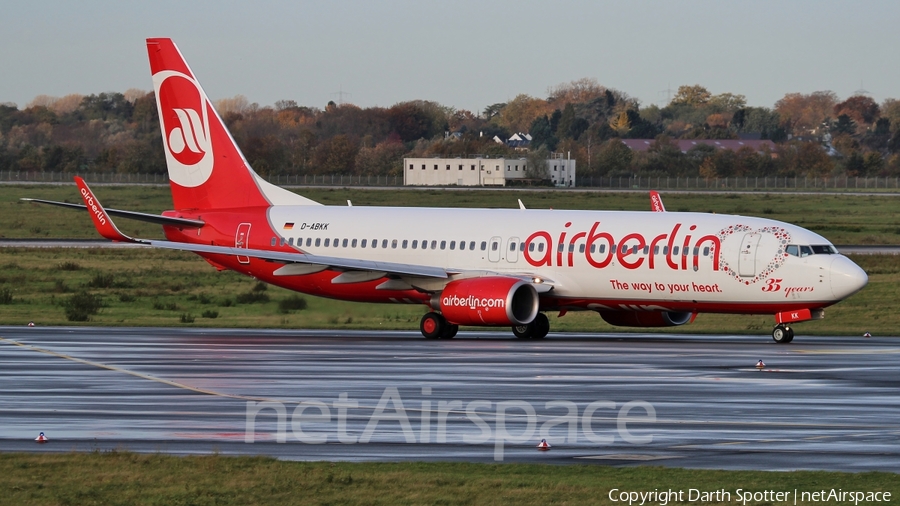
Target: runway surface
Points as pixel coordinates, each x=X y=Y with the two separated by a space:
x=820 y=402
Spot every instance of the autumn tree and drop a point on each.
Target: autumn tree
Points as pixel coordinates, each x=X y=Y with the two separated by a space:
x=806 y=113
x=695 y=95
x=860 y=108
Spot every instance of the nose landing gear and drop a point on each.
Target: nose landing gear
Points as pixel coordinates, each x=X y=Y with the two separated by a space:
x=782 y=334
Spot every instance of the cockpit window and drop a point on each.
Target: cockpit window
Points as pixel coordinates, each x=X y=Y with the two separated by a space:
x=805 y=251
x=824 y=249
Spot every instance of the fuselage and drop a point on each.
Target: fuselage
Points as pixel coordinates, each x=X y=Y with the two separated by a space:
x=598 y=260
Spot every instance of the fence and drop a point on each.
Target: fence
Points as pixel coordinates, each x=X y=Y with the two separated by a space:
x=282 y=179
x=741 y=183
x=636 y=182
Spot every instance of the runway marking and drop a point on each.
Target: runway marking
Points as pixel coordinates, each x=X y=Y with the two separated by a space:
x=629 y=456
x=850 y=351
x=144 y=376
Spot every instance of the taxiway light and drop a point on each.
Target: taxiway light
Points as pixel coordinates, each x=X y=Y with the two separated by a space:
x=31 y=324
x=760 y=364
x=543 y=445
x=867 y=335
x=41 y=438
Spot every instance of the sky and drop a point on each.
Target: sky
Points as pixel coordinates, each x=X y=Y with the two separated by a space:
x=461 y=53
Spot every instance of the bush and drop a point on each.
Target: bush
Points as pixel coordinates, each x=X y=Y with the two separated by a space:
x=6 y=296
x=101 y=280
x=226 y=303
x=126 y=297
x=210 y=314
x=81 y=306
x=68 y=266
x=170 y=306
x=292 y=303
x=260 y=287
x=187 y=318
x=251 y=297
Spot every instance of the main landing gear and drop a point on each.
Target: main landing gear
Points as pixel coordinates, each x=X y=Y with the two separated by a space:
x=435 y=326
x=537 y=329
x=782 y=334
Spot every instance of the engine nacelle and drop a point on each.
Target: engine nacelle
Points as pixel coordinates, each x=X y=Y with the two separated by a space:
x=491 y=300
x=646 y=318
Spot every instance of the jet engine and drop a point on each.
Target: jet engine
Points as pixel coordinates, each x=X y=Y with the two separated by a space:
x=646 y=318
x=490 y=300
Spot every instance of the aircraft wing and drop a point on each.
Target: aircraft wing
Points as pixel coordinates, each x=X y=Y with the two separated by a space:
x=150 y=218
x=108 y=229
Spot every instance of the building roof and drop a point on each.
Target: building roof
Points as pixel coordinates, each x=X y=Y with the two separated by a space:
x=685 y=145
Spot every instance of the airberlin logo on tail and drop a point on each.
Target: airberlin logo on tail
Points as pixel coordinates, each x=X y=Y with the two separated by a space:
x=92 y=206
x=184 y=117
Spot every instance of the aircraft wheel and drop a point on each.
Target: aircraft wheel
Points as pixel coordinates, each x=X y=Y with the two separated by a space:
x=780 y=334
x=523 y=331
x=790 y=334
x=541 y=326
x=432 y=325
x=449 y=331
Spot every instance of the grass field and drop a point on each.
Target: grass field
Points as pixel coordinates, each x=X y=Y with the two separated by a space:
x=843 y=219
x=126 y=478
x=145 y=287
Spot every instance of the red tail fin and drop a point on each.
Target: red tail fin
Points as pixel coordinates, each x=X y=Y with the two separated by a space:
x=656 y=203
x=206 y=168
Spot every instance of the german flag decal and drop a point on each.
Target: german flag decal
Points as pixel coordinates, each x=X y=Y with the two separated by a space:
x=288 y=226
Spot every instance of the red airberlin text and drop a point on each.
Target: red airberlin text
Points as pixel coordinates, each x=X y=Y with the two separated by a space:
x=627 y=250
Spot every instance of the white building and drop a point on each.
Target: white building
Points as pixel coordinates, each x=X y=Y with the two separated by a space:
x=481 y=171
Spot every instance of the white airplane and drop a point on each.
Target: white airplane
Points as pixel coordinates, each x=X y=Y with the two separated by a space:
x=480 y=267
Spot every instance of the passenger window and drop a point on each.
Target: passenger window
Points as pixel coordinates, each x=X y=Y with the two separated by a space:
x=805 y=251
x=452 y=245
x=512 y=246
x=394 y=244
x=603 y=248
x=646 y=250
x=327 y=242
x=792 y=249
x=571 y=247
x=374 y=243
x=433 y=244
x=665 y=250
x=353 y=243
x=384 y=243
x=344 y=243
x=443 y=244
x=403 y=245
x=483 y=245
x=531 y=246
x=362 y=243
x=706 y=251
x=291 y=241
x=282 y=241
x=494 y=246
x=521 y=246
x=274 y=241
x=415 y=244
x=424 y=244
x=337 y=242
x=581 y=248
x=540 y=247
x=462 y=245
x=318 y=241
x=472 y=245
x=696 y=251
x=593 y=248
x=675 y=251
x=656 y=250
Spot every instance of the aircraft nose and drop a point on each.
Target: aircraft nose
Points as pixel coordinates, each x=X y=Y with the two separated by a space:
x=847 y=278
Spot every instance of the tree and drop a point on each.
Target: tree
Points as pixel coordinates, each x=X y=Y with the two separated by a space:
x=727 y=102
x=806 y=113
x=542 y=134
x=860 y=108
x=614 y=158
x=536 y=163
x=694 y=96
x=890 y=109
x=493 y=110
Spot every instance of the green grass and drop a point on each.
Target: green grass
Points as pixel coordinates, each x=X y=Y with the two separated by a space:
x=843 y=218
x=127 y=478
x=146 y=287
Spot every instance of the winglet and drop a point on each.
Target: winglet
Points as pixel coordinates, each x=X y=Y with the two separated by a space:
x=102 y=220
x=656 y=203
